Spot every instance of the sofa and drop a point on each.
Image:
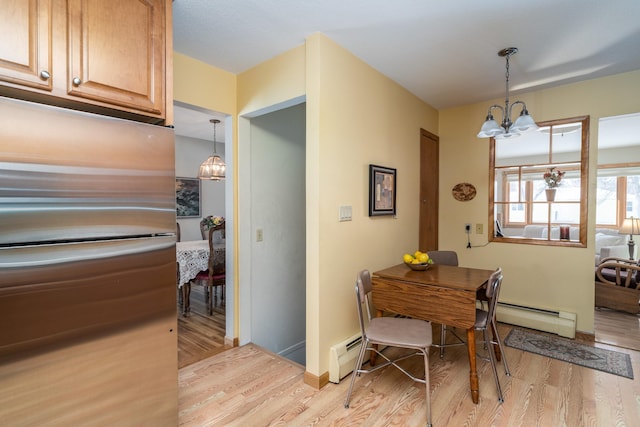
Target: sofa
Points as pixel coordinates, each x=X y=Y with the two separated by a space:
x=608 y=242
x=617 y=282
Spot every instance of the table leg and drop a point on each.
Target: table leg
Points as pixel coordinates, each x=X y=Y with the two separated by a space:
x=473 y=373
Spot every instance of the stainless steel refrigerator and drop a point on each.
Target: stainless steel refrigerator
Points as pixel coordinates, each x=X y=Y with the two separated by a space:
x=88 y=331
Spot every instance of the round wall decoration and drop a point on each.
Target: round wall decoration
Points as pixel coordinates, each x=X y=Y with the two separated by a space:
x=464 y=192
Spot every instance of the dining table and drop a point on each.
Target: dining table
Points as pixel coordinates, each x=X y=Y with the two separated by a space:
x=192 y=257
x=441 y=294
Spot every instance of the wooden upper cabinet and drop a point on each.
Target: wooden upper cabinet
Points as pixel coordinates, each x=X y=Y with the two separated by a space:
x=116 y=52
x=25 y=43
x=106 y=56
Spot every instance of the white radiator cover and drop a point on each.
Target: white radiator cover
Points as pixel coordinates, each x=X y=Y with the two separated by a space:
x=556 y=322
x=343 y=357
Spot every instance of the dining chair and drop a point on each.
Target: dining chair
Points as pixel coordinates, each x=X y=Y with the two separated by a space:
x=177 y=231
x=400 y=332
x=445 y=258
x=215 y=275
x=485 y=320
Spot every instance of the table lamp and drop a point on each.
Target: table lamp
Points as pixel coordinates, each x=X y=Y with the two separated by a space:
x=630 y=226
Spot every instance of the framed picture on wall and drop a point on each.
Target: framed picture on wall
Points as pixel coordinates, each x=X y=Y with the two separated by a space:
x=382 y=190
x=188 y=197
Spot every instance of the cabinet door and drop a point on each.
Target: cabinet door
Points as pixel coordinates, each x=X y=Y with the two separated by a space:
x=25 y=43
x=116 y=52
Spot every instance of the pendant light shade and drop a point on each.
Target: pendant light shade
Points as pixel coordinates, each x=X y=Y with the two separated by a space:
x=214 y=167
x=507 y=129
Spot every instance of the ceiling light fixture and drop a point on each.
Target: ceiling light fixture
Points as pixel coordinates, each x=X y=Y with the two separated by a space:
x=524 y=122
x=214 y=167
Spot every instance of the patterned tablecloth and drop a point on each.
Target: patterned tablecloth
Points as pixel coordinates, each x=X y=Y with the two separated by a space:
x=193 y=257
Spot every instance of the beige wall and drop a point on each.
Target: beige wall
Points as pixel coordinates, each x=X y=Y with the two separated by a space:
x=202 y=85
x=547 y=277
x=355 y=117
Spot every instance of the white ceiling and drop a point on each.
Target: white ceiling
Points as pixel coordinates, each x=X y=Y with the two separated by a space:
x=445 y=52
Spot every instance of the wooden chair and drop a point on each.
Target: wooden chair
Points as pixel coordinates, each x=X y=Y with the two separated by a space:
x=389 y=331
x=617 y=284
x=215 y=275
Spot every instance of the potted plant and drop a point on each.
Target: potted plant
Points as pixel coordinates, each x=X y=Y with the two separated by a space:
x=552 y=178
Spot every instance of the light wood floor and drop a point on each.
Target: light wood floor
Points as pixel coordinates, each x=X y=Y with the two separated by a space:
x=249 y=386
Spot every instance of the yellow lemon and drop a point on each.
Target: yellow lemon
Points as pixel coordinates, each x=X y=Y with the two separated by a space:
x=417 y=254
x=407 y=258
x=423 y=258
x=415 y=261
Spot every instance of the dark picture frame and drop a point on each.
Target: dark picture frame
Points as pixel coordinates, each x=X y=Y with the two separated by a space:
x=188 y=197
x=382 y=190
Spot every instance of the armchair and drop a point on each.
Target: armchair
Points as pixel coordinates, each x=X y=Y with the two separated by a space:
x=617 y=282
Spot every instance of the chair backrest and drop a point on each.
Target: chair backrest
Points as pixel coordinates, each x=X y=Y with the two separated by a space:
x=493 y=291
x=363 y=294
x=204 y=228
x=444 y=257
x=212 y=230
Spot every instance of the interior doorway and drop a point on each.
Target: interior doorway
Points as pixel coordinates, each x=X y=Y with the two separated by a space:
x=617 y=198
x=201 y=334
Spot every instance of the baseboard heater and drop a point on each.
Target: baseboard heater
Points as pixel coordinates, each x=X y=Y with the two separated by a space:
x=556 y=322
x=343 y=358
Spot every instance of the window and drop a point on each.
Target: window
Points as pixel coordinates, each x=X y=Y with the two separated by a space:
x=519 y=202
x=618 y=194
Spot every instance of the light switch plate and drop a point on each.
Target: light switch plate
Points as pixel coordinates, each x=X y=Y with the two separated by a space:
x=344 y=213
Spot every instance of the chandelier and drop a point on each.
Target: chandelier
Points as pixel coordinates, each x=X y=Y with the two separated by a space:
x=507 y=129
x=214 y=167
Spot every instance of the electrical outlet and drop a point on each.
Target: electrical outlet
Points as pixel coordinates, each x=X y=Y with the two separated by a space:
x=467 y=228
x=479 y=229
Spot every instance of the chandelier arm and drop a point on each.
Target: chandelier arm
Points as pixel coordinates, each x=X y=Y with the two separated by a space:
x=502 y=111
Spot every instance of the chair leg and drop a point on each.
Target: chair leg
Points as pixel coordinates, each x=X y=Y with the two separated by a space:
x=427 y=384
x=492 y=359
x=499 y=341
x=356 y=371
x=210 y=300
x=443 y=338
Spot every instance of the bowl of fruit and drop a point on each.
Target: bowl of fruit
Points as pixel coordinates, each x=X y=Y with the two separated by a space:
x=419 y=261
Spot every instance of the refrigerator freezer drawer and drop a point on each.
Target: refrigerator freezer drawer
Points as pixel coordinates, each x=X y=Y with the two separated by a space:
x=53 y=294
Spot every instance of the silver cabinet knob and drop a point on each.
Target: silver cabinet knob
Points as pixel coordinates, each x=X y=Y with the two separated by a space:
x=44 y=75
x=77 y=81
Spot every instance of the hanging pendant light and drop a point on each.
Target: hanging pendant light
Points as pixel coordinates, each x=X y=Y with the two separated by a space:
x=214 y=167
x=507 y=129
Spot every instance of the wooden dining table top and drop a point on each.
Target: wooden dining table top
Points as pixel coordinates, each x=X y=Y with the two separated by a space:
x=454 y=277
x=443 y=294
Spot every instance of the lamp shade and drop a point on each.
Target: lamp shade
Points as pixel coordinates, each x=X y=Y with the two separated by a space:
x=213 y=168
x=490 y=128
x=523 y=123
x=630 y=226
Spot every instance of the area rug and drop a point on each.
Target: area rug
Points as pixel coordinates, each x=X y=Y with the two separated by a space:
x=571 y=351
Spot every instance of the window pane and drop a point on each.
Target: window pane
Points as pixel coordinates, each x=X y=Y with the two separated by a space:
x=607 y=201
x=633 y=196
x=566 y=142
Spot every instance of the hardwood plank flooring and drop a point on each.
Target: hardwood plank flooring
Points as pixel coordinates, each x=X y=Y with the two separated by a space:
x=199 y=334
x=617 y=328
x=249 y=386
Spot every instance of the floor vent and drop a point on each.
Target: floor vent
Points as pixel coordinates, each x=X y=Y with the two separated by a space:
x=556 y=322
x=343 y=358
